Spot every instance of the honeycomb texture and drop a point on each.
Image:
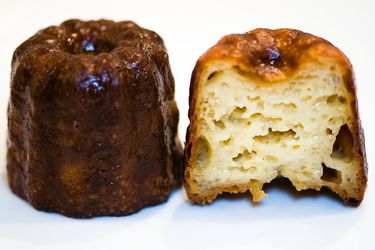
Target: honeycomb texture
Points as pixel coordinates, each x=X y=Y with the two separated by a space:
x=293 y=118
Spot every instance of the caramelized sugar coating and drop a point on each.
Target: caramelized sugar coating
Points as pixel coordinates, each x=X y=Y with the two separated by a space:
x=92 y=120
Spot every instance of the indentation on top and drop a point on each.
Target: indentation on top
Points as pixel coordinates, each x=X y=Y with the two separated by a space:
x=88 y=46
x=273 y=55
x=77 y=44
x=95 y=45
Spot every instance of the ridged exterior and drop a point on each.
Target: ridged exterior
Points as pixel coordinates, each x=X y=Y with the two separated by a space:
x=92 y=120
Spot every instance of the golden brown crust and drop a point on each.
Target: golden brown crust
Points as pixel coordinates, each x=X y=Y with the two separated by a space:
x=92 y=120
x=272 y=56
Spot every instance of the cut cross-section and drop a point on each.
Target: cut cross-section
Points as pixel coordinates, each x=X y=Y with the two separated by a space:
x=260 y=122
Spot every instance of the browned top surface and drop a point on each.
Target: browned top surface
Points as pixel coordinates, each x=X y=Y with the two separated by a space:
x=89 y=46
x=272 y=54
x=78 y=37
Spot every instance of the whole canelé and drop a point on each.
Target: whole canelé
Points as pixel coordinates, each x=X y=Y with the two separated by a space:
x=92 y=120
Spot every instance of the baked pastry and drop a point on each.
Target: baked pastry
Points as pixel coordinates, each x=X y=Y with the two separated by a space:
x=92 y=120
x=272 y=103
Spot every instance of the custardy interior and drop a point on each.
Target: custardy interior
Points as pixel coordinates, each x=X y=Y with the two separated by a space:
x=250 y=132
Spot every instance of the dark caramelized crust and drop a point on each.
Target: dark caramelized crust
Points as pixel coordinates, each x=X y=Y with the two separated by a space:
x=92 y=120
x=271 y=56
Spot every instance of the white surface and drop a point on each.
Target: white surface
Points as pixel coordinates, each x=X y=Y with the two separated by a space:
x=285 y=220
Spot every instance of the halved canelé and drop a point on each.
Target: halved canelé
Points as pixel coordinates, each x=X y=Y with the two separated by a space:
x=272 y=103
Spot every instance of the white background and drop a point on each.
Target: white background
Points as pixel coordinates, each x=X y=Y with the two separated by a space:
x=286 y=219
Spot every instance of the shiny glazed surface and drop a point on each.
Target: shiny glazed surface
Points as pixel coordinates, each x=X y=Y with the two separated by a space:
x=92 y=119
